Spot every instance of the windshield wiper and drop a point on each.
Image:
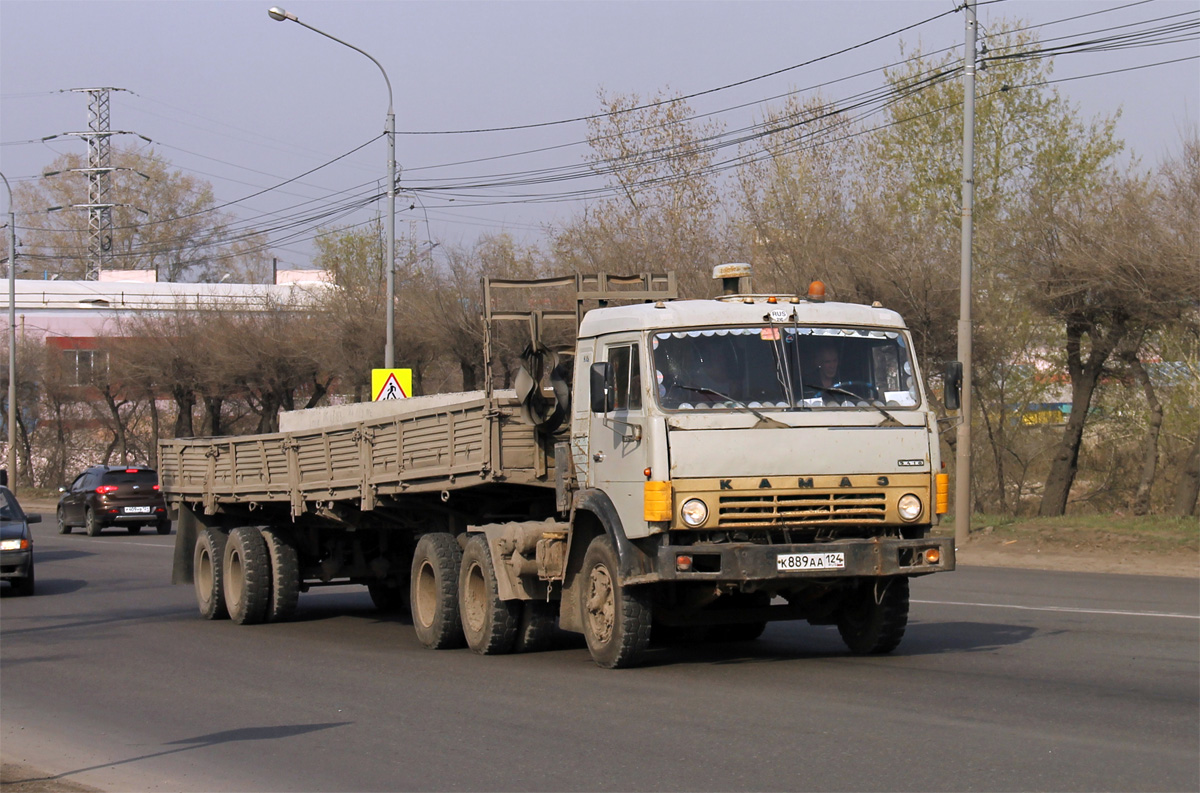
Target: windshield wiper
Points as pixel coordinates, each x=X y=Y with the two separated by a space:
x=891 y=420
x=762 y=419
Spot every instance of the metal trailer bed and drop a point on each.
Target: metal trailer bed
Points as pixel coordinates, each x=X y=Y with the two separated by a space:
x=420 y=445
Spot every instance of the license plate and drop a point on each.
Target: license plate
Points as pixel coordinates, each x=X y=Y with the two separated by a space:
x=138 y=510
x=811 y=561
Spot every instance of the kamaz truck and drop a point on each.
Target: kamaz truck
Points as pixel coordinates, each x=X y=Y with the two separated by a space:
x=673 y=467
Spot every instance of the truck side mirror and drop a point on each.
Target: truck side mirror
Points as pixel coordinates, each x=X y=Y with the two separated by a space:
x=602 y=387
x=953 y=383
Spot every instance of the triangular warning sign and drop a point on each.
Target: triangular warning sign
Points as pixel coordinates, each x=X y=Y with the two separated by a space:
x=391 y=389
x=391 y=384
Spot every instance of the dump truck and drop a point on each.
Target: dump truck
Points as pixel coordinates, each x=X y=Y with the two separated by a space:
x=659 y=468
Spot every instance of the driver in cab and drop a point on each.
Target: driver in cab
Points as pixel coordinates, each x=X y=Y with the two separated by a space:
x=824 y=366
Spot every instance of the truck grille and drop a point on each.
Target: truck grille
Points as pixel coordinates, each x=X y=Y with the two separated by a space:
x=800 y=509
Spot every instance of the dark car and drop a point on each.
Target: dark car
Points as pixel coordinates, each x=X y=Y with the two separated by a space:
x=16 y=543
x=113 y=495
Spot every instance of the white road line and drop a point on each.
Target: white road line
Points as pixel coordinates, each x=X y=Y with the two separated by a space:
x=142 y=544
x=1065 y=609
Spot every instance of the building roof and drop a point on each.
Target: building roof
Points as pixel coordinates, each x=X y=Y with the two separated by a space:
x=85 y=308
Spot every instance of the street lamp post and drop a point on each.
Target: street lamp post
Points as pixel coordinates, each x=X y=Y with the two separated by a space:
x=389 y=352
x=12 y=338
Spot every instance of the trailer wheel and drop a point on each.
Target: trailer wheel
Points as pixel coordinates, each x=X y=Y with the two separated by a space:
x=489 y=623
x=433 y=591
x=616 y=619
x=206 y=564
x=535 y=632
x=873 y=616
x=285 y=576
x=247 y=576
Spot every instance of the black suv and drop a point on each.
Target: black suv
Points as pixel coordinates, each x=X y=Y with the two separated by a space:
x=113 y=495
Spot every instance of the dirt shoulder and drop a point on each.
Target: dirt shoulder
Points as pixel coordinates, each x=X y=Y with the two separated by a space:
x=1090 y=544
x=20 y=778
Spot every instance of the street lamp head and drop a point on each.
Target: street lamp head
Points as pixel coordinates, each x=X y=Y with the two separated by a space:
x=279 y=15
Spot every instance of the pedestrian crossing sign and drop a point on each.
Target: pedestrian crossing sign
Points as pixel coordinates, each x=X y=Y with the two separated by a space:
x=391 y=384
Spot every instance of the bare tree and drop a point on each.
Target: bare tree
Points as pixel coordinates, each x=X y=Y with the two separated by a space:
x=166 y=221
x=1107 y=266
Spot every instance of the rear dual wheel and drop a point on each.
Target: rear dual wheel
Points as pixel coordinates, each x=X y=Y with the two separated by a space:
x=539 y=620
x=489 y=623
x=433 y=591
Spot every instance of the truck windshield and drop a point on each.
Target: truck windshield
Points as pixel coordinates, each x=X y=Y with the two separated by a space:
x=783 y=367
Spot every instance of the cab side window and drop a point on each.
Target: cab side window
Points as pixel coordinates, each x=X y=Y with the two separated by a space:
x=627 y=379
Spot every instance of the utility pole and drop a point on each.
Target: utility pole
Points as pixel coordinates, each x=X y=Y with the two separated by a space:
x=12 y=339
x=962 y=456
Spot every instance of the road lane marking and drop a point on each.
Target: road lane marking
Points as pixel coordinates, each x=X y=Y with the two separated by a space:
x=142 y=544
x=1064 y=609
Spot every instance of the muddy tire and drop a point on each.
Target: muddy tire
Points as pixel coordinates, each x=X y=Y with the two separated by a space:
x=91 y=523
x=285 y=576
x=616 y=619
x=489 y=623
x=433 y=592
x=539 y=621
x=873 y=617
x=207 y=574
x=63 y=528
x=247 y=576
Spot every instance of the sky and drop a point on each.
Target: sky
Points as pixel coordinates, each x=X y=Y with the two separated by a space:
x=253 y=106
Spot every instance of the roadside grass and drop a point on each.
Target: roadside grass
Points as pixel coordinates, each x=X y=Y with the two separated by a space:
x=1148 y=534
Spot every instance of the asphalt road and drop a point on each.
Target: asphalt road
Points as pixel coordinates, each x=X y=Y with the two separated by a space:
x=1006 y=680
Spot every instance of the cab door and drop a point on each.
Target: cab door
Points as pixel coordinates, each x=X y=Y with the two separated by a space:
x=618 y=446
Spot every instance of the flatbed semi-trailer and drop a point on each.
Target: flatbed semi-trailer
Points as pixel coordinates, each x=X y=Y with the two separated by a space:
x=693 y=471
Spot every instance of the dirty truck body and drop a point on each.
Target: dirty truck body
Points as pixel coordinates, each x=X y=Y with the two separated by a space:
x=693 y=476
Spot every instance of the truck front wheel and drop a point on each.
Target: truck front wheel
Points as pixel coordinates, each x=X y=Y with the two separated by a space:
x=206 y=564
x=433 y=591
x=489 y=623
x=616 y=618
x=874 y=615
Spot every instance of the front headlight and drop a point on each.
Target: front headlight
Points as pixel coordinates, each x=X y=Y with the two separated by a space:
x=909 y=506
x=694 y=512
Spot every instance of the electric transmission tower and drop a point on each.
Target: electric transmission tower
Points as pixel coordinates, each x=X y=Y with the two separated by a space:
x=99 y=206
